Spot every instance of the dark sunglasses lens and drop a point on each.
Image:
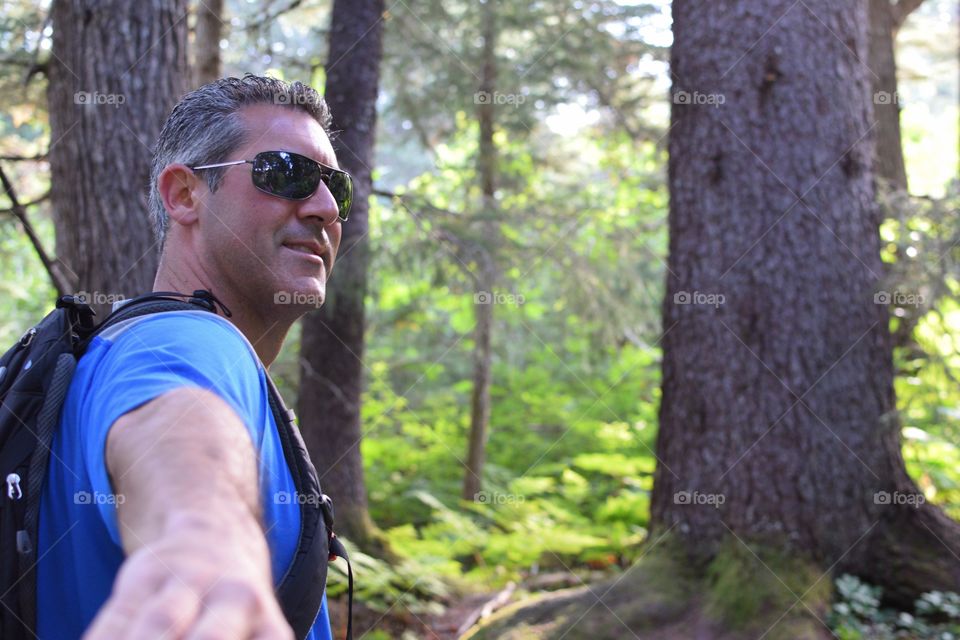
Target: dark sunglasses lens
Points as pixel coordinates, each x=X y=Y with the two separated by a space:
x=297 y=177
x=341 y=186
x=287 y=175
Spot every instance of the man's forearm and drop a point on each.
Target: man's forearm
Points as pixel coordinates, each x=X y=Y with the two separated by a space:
x=183 y=460
x=198 y=564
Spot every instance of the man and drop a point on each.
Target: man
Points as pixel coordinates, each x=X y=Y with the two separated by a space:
x=159 y=517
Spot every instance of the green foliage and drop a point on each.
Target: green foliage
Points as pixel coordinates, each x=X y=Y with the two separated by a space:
x=921 y=247
x=542 y=504
x=25 y=289
x=857 y=614
x=416 y=583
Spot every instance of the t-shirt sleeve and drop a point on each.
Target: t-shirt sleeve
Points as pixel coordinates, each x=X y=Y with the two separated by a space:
x=157 y=355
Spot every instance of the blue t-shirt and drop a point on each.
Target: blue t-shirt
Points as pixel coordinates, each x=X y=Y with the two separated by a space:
x=79 y=547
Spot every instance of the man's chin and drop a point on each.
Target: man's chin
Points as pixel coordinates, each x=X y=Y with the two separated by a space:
x=302 y=299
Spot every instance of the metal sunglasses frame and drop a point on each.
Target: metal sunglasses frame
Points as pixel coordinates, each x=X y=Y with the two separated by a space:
x=322 y=166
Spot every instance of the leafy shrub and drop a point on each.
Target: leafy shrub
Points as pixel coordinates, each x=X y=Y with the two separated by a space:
x=857 y=614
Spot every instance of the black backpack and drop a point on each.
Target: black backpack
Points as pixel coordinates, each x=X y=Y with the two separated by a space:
x=35 y=375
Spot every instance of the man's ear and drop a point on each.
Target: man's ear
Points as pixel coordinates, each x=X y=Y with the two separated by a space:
x=178 y=187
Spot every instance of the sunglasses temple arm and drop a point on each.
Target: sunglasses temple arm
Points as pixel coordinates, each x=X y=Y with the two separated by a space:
x=222 y=164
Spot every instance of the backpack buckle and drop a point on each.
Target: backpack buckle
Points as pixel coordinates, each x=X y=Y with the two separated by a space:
x=81 y=313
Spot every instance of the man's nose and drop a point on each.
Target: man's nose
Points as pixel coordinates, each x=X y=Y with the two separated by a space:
x=321 y=205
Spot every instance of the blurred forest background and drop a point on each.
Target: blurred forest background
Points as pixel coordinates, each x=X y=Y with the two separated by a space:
x=497 y=439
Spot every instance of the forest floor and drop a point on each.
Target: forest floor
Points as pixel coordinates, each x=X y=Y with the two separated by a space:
x=398 y=620
x=694 y=624
x=658 y=598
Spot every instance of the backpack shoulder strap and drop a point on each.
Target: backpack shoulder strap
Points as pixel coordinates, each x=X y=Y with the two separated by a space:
x=301 y=590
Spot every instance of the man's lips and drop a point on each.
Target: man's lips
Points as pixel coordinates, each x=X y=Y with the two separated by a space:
x=311 y=248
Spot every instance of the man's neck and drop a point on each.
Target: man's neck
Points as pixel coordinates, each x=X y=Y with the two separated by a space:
x=266 y=334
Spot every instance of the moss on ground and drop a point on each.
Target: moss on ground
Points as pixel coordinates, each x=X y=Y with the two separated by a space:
x=655 y=591
x=759 y=589
x=742 y=594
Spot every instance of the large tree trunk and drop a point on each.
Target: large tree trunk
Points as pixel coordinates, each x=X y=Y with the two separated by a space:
x=485 y=282
x=207 y=65
x=116 y=71
x=331 y=354
x=778 y=399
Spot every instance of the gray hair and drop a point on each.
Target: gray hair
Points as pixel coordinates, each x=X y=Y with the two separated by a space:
x=205 y=128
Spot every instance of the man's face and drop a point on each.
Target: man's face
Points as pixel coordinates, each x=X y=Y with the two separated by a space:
x=269 y=250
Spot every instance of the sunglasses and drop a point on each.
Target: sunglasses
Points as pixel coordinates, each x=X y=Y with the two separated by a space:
x=295 y=177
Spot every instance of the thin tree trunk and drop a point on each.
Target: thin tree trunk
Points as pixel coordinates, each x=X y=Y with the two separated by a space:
x=484 y=295
x=116 y=71
x=886 y=101
x=207 y=65
x=885 y=22
x=482 y=379
x=331 y=353
x=778 y=398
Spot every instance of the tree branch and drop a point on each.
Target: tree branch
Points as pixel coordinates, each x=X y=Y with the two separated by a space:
x=37 y=66
x=27 y=205
x=59 y=282
x=456 y=246
x=397 y=196
x=36 y=158
x=271 y=16
x=901 y=11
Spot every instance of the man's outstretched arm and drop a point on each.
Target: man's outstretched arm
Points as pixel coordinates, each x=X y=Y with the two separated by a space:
x=198 y=564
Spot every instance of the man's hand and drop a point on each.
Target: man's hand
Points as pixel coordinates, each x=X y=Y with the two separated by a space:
x=182 y=586
x=198 y=565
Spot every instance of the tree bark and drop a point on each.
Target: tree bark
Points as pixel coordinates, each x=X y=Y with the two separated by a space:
x=485 y=281
x=778 y=419
x=116 y=71
x=207 y=65
x=331 y=353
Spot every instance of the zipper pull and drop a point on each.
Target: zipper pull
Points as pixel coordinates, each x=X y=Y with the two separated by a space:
x=13 y=484
x=28 y=337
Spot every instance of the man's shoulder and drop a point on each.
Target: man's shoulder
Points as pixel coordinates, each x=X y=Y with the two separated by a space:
x=136 y=361
x=166 y=348
x=190 y=320
x=182 y=330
